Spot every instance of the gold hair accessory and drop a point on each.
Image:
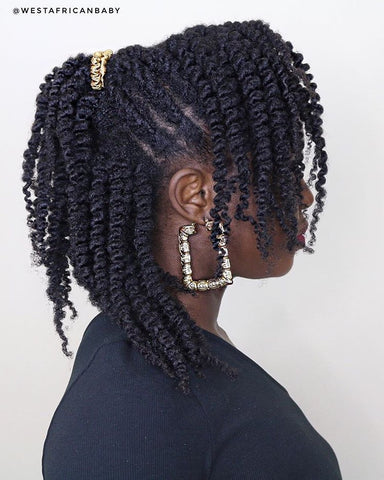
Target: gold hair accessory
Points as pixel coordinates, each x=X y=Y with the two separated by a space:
x=98 y=67
x=184 y=248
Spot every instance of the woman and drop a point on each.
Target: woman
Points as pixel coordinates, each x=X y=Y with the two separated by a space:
x=163 y=173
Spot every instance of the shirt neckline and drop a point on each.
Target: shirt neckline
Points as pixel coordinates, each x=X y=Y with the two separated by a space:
x=228 y=345
x=231 y=347
x=215 y=338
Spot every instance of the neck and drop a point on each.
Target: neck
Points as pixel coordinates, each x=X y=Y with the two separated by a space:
x=203 y=307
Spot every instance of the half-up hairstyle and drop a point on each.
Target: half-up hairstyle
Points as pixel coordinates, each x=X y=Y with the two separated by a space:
x=234 y=96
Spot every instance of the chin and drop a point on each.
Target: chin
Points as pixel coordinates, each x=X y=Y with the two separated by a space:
x=283 y=266
x=281 y=271
x=278 y=270
x=275 y=266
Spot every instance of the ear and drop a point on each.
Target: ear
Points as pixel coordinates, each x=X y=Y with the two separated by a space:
x=190 y=192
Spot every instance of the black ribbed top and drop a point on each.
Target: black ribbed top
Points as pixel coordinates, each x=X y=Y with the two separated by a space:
x=121 y=418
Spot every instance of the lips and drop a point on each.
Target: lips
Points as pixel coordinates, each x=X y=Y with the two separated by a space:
x=303 y=228
x=300 y=236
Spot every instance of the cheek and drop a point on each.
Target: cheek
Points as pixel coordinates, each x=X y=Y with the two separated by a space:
x=246 y=259
x=243 y=253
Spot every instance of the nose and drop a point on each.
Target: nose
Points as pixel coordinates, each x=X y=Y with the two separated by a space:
x=308 y=197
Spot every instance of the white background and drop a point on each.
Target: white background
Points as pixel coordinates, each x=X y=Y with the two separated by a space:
x=319 y=329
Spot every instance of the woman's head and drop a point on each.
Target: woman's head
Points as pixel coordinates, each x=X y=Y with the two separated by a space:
x=189 y=197
x=212 y=121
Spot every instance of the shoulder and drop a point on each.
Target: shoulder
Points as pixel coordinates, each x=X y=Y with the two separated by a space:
x=119 y=375
x=122 y=414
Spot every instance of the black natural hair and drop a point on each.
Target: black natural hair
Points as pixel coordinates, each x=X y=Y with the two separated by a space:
x=235 y=96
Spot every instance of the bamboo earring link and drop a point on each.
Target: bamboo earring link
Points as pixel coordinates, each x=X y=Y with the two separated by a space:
x=185 y=255
x=208 y=224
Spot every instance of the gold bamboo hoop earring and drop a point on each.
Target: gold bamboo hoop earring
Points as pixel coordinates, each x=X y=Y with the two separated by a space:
x=185 y=255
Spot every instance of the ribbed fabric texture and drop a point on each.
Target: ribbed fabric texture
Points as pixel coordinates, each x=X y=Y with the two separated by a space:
x=121 y=418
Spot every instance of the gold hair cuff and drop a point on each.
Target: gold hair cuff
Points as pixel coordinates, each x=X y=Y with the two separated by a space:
x=98 y=68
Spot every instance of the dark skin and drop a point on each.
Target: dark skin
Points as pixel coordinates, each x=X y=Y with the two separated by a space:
x=189 y=198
